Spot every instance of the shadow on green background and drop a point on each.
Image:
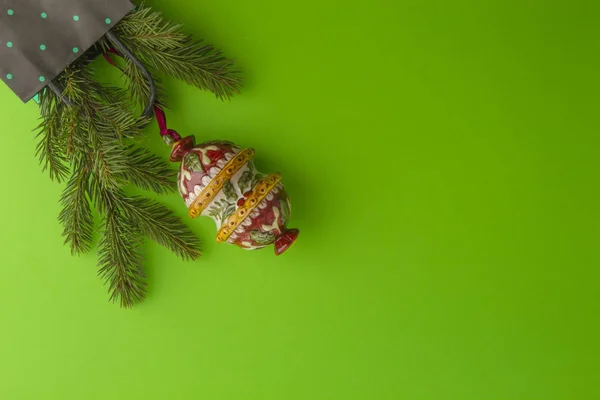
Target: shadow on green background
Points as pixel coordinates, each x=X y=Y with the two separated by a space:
x=442 y=160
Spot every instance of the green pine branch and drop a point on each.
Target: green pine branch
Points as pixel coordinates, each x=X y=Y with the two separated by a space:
x=165 y=47
x=49 y=149
x=105 y=160
x=149 y=27
x=161 y=225
x=116 y=118
x=76 y=214
x=139 y=87
x=90 y=144
x=93 y=136
x=137 y=83
x=121 y=260
x=147 y=171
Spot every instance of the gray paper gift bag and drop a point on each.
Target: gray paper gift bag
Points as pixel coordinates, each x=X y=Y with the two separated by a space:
x=40 y=38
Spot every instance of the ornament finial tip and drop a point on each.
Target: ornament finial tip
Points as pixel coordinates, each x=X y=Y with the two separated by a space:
x=285 y=240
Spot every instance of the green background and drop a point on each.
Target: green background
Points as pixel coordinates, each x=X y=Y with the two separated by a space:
x=442 y=159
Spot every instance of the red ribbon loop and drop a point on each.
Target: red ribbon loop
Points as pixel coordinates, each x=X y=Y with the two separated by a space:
x=161 y=119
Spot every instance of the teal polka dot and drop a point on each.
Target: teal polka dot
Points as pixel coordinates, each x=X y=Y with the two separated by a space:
x=108 y=21
x=75 y=50
x=42 y=47
x=75 y=17
x=10 y=12
x=9 y=76
x=9 y=44
x=44 y=15
x=42 y=79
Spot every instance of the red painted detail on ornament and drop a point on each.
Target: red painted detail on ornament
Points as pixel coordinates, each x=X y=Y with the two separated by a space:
x=285 y=241
x=215 y=155
x=261 y=216
x=264 y=228
x=195 y=180
x=181 y=148
x=267 y=215
x=210 y=159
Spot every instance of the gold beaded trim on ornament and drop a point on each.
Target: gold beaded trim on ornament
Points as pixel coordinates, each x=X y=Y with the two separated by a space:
x=258 y=194
x=215 y=186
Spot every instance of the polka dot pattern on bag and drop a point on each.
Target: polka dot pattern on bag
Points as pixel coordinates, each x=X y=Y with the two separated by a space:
x=32 y=52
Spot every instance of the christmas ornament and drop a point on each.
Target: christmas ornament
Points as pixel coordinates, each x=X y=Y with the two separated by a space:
x=90 y=134
x=219 y=179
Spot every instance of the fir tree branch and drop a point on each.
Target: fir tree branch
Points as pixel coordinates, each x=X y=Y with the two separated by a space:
x=94 y=134
x=137 y=82
x=74 y=131
x=121 y=261
x=139 y=87
x=161 y=225
x=117 y=119
x=197 y=65
x=106 y=160
x=49 y=148
x=76 y=215
x=147 y=26
x=105 y=107
x=73 y=81
x=116 y=164
x=165 y=47
x=147 y=171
